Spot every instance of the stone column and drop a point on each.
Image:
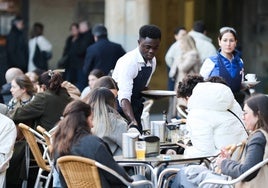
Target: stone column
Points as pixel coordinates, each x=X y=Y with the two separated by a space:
x=123 y=18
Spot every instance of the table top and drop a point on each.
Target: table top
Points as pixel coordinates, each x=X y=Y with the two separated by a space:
x=155 y=94
x=154 y=161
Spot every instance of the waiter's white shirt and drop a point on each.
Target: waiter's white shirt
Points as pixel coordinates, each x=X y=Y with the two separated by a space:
x=126 y=70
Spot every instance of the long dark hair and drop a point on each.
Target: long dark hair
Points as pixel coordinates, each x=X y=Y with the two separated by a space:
x=72 y=126
x=52 y=80
x=259 y=105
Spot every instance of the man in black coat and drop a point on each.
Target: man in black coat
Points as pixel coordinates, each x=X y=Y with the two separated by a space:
x=103 y=54
x=17 y=46
x=84 y=40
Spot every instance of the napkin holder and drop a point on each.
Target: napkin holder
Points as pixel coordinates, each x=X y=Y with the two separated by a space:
x=152 y=145
x=128 y=142
x=172 y=130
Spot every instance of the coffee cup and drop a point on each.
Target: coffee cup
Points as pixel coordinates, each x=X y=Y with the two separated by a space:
x=251 y=77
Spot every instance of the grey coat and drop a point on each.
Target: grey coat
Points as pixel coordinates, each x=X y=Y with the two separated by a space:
x=254 y=152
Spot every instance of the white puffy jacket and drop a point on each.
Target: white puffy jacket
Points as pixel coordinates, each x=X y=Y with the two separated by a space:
x=211 y=126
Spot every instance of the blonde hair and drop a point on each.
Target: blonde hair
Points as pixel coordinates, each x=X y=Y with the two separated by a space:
x=103 y=103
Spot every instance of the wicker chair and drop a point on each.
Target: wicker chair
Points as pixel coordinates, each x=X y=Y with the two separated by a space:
x=43 y=161
x=46 y=135
x=83 y=172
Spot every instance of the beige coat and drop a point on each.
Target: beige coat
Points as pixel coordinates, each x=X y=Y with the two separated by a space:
x=187 y=63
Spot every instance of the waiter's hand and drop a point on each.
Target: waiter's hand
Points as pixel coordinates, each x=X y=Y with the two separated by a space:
x=133 y=124
x=128 y=111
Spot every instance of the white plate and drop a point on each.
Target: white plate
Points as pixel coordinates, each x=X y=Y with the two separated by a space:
x=252 y=82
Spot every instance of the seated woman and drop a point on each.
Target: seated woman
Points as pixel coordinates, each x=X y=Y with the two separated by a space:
x=47 y=106
x=104 y=81
x=93 y=76
x=108 y=82
x=74 y=137
x=109 y=124
x=22 y=90
x=210 y=123
x=256 y=149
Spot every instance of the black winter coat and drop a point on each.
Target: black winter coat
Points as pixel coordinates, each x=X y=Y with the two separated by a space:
x=17 y=49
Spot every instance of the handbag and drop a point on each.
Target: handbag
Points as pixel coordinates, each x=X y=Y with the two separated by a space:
x=40 y=58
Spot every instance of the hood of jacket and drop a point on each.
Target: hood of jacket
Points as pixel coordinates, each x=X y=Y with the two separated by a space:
x=211 y=96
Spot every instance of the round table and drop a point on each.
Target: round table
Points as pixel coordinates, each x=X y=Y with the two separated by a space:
x=158 y=94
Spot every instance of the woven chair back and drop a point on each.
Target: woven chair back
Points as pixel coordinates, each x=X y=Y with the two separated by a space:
x=32 y=142
x=47 y=137
x=79 y=172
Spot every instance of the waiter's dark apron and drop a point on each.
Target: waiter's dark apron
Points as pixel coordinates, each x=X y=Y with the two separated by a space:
x=137 y=100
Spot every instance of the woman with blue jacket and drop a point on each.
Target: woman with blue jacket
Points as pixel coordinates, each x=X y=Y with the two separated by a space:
x=227 y=63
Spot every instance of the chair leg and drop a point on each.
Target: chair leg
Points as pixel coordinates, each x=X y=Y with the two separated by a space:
x=49 y=176
x=27 y=161
x=40 y=176
x=167 y=180
x=24 y=184
x=28 y=165
x=170 y=173
x=37 y=181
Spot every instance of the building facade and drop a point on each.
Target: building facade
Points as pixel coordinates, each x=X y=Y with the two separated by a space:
x=124 y=17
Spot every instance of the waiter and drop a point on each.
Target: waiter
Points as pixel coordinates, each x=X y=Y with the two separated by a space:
x=133 y=72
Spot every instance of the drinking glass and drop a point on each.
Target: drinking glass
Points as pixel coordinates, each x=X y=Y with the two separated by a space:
x=140 y=147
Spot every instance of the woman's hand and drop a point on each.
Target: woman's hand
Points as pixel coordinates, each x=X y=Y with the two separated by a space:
x=225 y=154
x=219 y=161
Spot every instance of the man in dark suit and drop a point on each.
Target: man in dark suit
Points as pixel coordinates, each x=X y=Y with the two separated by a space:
x=103 y=54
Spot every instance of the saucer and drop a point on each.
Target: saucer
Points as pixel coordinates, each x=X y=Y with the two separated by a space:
x=251 y=82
